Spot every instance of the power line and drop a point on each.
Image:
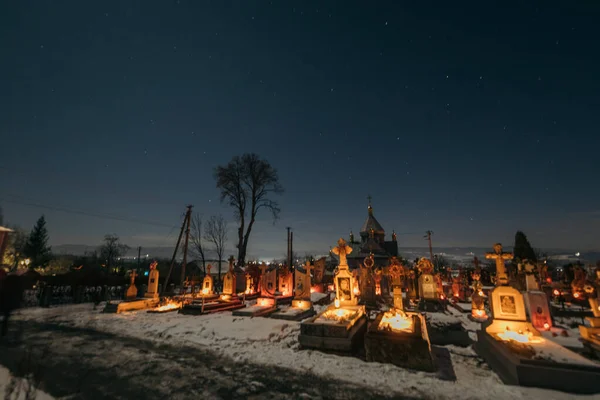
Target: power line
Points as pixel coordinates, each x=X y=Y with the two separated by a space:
x=70 y=210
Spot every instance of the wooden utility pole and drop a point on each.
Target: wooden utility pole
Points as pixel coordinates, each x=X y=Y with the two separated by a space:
x=185 y=244
x=289 y=249
x=139 y=254
x=428 y=237
x=174 y=255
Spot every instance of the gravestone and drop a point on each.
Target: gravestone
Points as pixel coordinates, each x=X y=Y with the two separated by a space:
x=366 y=281
x=268 y=285
x=507 y=304
x=153 y=276
x=229 y=281
x=344 y=280
x=427 y=287
x=531 y=283
x=538 y=309
x=477 y=298
x=397 y=273
x=207 y=282
x=286 y=282
x=303 y=285
x=131 y=290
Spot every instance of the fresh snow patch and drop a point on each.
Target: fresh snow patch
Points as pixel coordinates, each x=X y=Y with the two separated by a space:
x=275 y=342
x=19 y=390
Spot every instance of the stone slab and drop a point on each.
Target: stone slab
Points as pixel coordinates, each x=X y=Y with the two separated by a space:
x=196 y=309
x=255 y=311
x=515 y=370
x=431 y=306
x=297 y=316
x=131 y=305
x=353 y=340
x=445 y=335
x=405 y=349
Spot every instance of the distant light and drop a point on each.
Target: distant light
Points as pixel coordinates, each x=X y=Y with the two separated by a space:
x=577 y=254
x=145 y=273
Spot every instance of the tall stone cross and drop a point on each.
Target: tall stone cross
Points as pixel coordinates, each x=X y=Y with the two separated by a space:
x=342 y=250
x=231 y=261
x=500 y=257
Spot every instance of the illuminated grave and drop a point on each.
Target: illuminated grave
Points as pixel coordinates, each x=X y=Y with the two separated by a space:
x=266 y=304
x=132 y=303
x=252 y=276
x=590 y=335
x=207 y=291
x=429 y=298
x=302 y=306
x=400 y=338
x=518 y=353
x=227 y=301
x=340 y=327
x=478 y=313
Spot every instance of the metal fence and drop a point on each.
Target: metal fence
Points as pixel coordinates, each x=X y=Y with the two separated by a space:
x=53 y=295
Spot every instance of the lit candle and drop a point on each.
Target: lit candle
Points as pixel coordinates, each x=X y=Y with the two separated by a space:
x=337 y=303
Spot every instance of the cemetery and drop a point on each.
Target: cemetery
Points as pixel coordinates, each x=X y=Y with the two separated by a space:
x=374 y=314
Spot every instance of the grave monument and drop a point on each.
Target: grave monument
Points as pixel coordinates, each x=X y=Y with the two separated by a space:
x=227 y=301
x=340 y=327
x=266 y=304
x=153 y=275
x=302 y=306
x=518 y=353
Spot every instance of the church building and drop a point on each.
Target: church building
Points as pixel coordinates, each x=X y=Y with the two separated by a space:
x=372 y=240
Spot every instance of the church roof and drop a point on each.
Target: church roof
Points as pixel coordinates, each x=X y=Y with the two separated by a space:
x=371 y=223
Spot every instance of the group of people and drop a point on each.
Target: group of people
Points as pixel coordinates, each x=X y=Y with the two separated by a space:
x=11 y=292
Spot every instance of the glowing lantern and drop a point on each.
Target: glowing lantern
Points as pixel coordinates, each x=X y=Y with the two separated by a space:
x=556 y=292
x=576 y=295
x=546 y=325
x=205 y=291
x=355 y=291
x=337 y=303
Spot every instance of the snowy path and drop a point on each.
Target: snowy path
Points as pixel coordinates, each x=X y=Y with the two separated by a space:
x=84 y=363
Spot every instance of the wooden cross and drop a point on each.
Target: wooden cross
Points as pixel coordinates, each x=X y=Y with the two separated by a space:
x=500 y=257
x=208 y=267
x=133 y=275
x=231 y=261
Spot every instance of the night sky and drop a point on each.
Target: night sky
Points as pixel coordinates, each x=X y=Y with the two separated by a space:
x=470 y=121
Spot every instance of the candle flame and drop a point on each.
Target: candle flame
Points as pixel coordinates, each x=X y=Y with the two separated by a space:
x=337 y=303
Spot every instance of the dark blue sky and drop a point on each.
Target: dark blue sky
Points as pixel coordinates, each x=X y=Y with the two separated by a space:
x=471 y=121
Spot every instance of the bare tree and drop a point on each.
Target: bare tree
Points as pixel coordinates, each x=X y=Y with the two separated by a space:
x=215 y=232
x=246 y=183
x=197 y=240
x=111 y=250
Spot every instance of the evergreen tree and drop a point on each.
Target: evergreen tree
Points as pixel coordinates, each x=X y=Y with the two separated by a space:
x=36 y=248
x=522 y=249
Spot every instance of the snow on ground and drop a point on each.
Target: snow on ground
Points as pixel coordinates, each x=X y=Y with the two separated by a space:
x=14 y=388
x=275 y=342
